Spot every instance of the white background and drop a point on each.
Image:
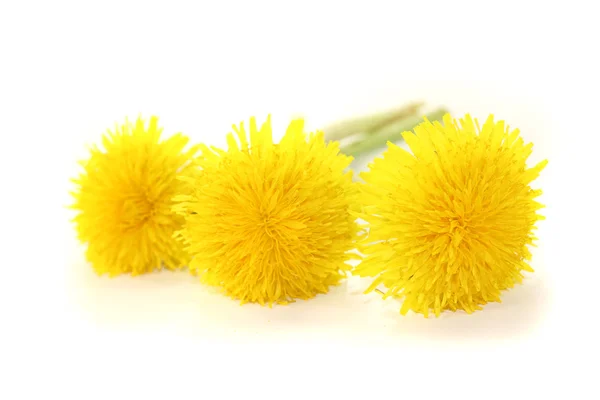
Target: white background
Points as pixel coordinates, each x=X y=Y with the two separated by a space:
x=69 y=70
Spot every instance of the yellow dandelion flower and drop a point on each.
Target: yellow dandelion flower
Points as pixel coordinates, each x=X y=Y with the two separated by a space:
x=124 y=200
x=269 y=223
x=449 y=224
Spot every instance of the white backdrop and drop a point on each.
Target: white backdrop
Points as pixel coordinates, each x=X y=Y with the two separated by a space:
x=69 y=70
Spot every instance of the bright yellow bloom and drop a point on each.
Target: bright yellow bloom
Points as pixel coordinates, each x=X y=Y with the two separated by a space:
x=451 y=222
x=124 y=198
x=269 y=223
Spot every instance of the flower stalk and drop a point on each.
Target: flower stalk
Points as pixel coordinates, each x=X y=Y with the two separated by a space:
x=391 y=132
x=367 y=133
x=370 y=123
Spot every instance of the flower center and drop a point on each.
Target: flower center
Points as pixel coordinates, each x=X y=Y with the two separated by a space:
x=136 y=211
x=459 y=228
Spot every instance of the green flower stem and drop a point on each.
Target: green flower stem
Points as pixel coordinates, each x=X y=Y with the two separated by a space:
x=369 y=123
x=391 y=133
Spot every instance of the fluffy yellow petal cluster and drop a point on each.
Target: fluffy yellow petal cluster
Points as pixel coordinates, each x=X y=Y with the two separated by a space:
x=449 y=224
x=124 y=200
x=269 y=223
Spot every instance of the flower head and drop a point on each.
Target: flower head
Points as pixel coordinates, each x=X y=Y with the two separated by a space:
x=449 y=224
x=124 y=200
x=269 y=223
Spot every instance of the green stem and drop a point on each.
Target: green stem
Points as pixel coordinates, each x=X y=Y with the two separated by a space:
x=369 y=123
x=391 y=133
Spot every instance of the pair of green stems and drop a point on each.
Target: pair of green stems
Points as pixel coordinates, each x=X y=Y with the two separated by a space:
x=374 y=131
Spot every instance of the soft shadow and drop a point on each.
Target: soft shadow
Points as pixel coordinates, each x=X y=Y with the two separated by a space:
x=177 y=301
x=521 y=313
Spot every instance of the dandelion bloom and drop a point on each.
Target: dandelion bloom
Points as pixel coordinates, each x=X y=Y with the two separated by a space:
x=269 y=223
x=124 y=200
x=450 y=224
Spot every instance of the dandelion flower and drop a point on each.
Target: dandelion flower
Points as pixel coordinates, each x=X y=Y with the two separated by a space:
x=450 y=224
x=124 y=200
x=270 y=223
